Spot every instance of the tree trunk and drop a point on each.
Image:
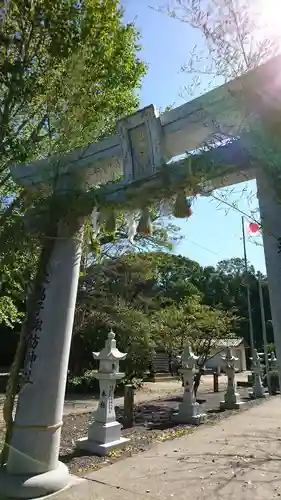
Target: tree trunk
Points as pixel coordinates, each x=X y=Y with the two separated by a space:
x=197 y=380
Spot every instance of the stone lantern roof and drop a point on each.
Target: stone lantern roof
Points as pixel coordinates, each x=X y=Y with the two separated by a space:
x=110 y=352
x=188 y=358
x=229 y=357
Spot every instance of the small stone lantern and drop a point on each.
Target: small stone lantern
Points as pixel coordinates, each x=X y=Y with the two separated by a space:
x=273 y=362
x=104 y=432
x=258 y=389
x=189 y=409
x=232 y=398
x=261 y=355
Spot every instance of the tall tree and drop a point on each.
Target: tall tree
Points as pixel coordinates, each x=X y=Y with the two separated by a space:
x=225 y=287
x=68 y=70
x=167 y=294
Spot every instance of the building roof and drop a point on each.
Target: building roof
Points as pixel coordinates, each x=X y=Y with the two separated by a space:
x=235 y=342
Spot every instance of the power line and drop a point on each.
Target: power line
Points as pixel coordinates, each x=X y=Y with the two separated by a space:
x=201 y=246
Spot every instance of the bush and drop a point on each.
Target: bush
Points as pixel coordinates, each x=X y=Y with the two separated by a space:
x=274 y=381
x=137 y=383
x=88 y=384
x=85 y=383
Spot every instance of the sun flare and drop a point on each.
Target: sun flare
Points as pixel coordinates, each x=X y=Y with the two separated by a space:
x=270 y=12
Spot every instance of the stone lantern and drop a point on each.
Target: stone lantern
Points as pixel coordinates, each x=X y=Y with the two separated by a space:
x=273 y=362
x=104 y=432
x=189 y=409
x=232 y=398
x=262 y=357
x=258 y=389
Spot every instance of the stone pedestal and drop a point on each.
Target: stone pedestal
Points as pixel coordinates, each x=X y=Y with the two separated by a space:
x=189 y=409
x=104 y=432
x=232 y=398
x=258 y=389
x=33 y=468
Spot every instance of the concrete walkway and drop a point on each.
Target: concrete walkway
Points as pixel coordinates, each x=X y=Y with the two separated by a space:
x=238 y=458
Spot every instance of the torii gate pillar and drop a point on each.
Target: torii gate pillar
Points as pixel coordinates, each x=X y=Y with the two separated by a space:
x=33 y=468
x=270 y=212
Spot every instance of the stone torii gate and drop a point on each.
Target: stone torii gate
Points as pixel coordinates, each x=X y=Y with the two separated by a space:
x=143 y=146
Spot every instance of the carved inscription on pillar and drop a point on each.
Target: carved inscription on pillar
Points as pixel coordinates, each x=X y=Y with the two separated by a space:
x=30 y=358
x=34 y=338
x=111 y=399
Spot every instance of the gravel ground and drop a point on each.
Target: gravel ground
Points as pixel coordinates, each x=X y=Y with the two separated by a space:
x=152 y=424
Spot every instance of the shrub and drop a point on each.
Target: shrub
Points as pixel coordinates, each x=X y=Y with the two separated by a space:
x=85 y=383
x=135 y=382
x=274 y=381
x=88 y=384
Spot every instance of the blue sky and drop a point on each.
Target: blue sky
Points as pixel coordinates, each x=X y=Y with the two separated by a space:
x=212 y=233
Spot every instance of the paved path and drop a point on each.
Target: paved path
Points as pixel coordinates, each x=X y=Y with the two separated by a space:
x=238 y=458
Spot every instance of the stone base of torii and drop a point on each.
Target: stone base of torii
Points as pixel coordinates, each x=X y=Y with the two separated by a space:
x=36 y=486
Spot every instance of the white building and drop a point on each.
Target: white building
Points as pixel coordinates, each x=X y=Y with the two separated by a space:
x=161 y=361
x=238 y=350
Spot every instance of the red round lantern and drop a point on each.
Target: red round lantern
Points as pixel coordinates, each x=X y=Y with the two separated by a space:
x=254 y=227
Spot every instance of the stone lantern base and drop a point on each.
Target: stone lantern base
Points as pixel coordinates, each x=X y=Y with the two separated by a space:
x=231 y=403
x=102 y=438
x=257 y=393
x=189 y=413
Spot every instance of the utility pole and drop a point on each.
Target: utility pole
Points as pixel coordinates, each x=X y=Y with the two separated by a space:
x=250 y=316
x=265 y=346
